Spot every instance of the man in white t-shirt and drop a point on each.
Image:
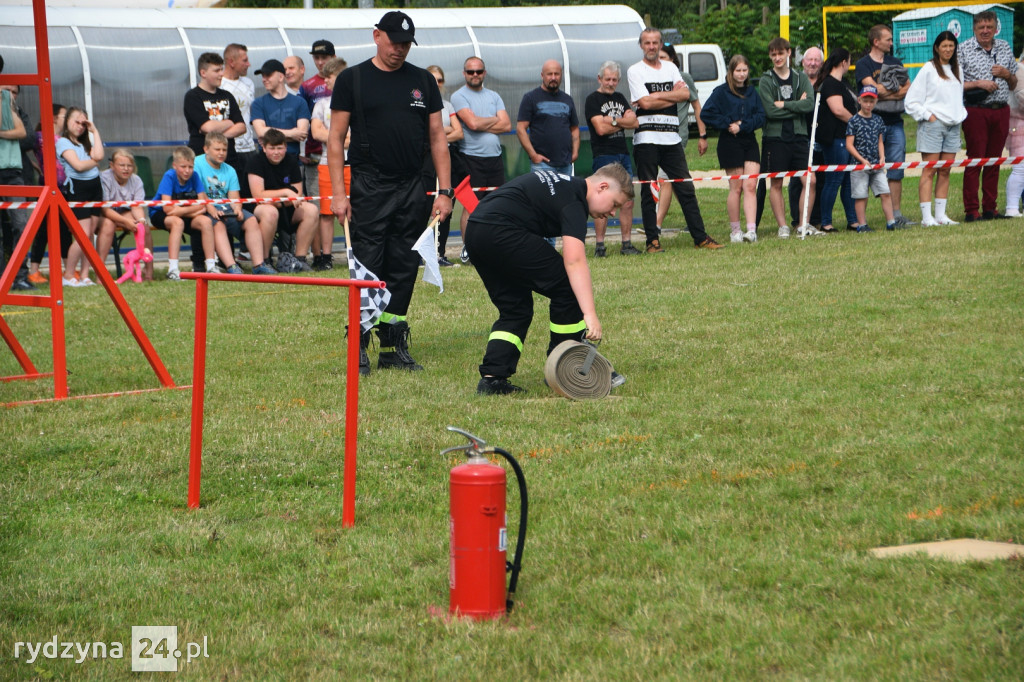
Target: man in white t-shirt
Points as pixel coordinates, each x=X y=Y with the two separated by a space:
x=655 y=88
x=236 y=81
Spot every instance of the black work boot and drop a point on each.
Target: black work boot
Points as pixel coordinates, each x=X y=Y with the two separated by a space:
x=497 y=386
x=394 y=348
x=364 y=359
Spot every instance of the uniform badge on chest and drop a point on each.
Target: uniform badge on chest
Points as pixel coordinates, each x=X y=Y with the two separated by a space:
x=416 y=100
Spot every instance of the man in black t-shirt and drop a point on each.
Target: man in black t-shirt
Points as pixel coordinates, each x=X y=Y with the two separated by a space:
x=394 y=111
x=610 y=115
x=507 y=244
x=210 y=109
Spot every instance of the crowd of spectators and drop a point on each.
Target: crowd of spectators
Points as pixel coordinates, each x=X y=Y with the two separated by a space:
x=242 y=146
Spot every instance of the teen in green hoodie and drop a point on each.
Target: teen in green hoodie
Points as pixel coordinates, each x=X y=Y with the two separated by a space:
x=788 y=97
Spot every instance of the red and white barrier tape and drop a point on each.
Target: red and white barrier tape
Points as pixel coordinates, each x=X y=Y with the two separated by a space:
x=160 y=202
x=950 y=163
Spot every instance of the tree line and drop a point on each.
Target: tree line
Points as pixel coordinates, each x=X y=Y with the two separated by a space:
x=738 y=27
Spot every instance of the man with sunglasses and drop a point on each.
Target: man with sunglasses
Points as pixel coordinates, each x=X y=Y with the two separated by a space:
x=483 y=116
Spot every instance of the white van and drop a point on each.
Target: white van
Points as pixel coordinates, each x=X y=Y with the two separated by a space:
x=706 y=63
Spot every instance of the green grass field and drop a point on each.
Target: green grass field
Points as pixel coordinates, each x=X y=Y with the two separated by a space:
x=790 y=405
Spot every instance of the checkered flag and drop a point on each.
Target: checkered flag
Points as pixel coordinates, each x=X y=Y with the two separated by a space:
x=372 y=302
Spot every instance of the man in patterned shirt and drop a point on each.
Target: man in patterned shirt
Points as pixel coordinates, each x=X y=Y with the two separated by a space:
x=988 y=67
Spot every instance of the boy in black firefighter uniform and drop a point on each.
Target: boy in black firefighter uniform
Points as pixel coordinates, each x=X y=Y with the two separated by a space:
x=394 y=111
x=506 y=243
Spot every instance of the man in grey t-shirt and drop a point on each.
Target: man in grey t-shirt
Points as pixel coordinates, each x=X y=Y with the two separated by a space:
x=483 y=116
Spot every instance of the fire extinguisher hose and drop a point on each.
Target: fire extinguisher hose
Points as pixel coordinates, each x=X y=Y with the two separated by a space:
x=517 y=562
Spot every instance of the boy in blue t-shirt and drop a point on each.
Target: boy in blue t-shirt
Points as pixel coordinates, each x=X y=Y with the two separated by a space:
x=221 y=182
x=864 y=142
x=180 y=182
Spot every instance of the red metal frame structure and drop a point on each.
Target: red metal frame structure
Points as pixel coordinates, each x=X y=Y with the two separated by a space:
x=50 y=205
x=195 y=462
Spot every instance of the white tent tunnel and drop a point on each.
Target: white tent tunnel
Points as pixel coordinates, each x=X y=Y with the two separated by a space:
x=130 y=68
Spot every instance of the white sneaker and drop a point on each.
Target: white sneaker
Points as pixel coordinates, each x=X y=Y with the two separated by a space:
x=1012 y=213
x=174 y=275
x=809 y=231
x=784 y=232
x=946 y=220
x=736 y=237
x=750 y=237
x=86 y=282
x=929 y=222
x=70 y=282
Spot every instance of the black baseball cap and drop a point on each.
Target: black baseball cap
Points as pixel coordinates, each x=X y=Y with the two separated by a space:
x=323 y=48
x=399 y=27
x=270 y=66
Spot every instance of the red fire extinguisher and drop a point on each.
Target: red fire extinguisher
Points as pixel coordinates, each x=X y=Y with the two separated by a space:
x=478 y=547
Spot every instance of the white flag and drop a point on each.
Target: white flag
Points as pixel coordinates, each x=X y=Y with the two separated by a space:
x=427 y=248
x=372 y=302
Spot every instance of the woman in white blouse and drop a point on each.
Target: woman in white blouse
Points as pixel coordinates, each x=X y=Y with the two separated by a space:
x=936 y=101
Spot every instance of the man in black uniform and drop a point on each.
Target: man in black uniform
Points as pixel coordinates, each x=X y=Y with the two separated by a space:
x=507 y=245
x=394 y=110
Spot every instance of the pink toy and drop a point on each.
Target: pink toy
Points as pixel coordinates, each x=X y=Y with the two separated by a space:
x=134 y=260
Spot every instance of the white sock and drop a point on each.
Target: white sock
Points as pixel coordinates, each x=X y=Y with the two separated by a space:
x=172 y=264
x=210 y=264
x=940 y=208
x=926 y=211
x=751 y=227
x=734 y=226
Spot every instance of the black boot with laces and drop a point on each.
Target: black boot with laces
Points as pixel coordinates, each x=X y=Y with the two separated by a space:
x=394 y=348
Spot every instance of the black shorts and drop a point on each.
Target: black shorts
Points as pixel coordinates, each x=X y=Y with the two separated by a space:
x=735 y=150
x=780 y=156
x=83 y=190
x=159 y=217
x=485 y=171
x=285 y=213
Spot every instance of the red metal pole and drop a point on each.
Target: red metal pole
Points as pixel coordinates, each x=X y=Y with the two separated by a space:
x=348 y=504
x=19 y=352
x=195 y=462
x=348 y=499
x=60 y=355
x=45 y=83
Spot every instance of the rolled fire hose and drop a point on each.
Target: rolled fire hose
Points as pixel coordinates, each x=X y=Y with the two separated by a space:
x=577 y=371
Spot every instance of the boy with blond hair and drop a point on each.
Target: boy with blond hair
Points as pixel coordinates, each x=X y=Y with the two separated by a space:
x=181 y=182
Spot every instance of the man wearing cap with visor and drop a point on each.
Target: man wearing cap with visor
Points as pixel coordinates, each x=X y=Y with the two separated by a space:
x=394 y=111
x=315 y=89
x=280 y=109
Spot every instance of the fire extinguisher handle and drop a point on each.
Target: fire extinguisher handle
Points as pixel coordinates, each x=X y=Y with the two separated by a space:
x=475 y=448
x=517 y=561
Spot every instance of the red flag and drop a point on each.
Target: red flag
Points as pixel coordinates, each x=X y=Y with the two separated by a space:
x=656 y=191
x=464 y=193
